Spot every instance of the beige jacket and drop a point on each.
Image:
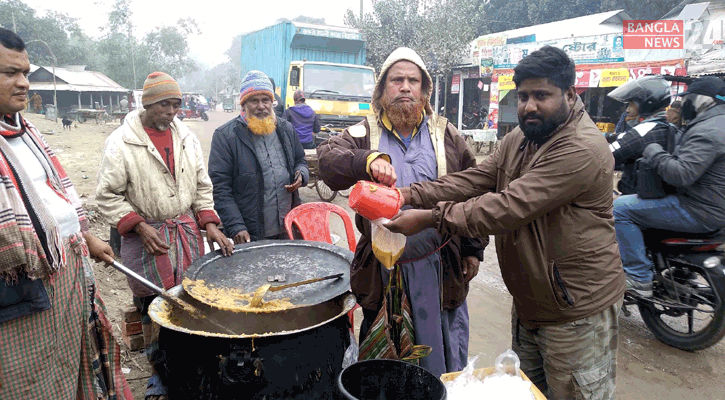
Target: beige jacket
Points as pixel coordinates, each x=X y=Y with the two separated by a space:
x=134 y=178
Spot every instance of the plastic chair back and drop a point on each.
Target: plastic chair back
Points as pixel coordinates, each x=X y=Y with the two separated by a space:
x=313 y=222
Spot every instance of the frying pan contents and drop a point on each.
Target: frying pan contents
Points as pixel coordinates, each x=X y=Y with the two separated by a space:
x=232 y=299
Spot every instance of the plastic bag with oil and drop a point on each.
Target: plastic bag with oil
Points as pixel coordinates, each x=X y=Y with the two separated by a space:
x=387 y=246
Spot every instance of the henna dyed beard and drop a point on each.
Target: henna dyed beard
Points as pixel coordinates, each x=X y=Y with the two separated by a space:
x=263 y=126
x=403 y=115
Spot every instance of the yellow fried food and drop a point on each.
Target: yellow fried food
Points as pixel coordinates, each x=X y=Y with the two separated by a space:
x=232 y=299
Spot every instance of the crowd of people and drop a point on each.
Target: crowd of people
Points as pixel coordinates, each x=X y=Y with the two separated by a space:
x=568 y=249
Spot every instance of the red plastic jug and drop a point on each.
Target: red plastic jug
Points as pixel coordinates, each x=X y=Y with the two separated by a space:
x=373 y=200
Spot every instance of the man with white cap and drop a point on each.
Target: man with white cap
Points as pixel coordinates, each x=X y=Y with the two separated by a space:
x=402 y=143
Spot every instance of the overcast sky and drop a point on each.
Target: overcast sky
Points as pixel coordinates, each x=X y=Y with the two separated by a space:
x=218 y=20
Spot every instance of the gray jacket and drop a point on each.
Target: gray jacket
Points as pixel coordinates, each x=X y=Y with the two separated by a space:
x=697 y=167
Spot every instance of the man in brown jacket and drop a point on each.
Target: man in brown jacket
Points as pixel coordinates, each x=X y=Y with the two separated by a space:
x=405 y=142
x=546 y=194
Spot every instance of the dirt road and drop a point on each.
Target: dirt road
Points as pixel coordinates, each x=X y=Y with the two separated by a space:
x=647 y=369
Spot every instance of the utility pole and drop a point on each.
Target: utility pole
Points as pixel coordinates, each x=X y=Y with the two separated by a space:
x=15 y=28
x=361 y=12
x=133 y=60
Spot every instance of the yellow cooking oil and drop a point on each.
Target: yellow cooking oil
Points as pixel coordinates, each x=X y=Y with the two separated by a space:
x=387 y=256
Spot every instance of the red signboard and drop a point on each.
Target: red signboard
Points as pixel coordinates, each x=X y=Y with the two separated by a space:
x=582 y=79
x=653 y=34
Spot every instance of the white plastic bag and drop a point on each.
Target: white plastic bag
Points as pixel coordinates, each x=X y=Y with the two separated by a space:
x=351 y=353
x=507 y=363
x=504 y=383
x=387 y=246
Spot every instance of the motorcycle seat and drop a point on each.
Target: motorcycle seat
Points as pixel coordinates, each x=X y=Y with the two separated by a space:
x=672 y=238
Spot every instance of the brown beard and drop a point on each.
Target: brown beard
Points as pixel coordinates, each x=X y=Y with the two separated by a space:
x=263 y=126
x=403 y=116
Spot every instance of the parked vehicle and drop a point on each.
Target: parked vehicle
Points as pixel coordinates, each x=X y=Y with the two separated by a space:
x=192 y=113
x=336 y=83
x=193 y=105
x=687 y=310
x=228 y=103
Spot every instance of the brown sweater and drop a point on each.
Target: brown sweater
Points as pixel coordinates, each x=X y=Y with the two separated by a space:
x=343 y=162
x=550 y=208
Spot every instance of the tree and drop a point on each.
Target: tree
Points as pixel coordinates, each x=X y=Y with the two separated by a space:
x=60 y=31
x=128 y=61
x=438 y=30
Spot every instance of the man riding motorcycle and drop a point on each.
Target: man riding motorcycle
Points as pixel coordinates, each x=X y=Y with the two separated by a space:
x=647 y=98
x=696 y=169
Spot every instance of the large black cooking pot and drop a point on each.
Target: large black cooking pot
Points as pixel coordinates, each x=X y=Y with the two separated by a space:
x=292 y=354
x=257 y=263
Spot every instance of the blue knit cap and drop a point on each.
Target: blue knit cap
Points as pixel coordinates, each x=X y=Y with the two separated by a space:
x=254 y=83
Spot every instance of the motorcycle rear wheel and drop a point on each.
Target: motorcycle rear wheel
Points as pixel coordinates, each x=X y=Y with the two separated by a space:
x=687 y=329
x=324 y=191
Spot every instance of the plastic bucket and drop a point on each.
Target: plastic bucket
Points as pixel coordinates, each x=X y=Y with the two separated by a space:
x=390 y=380
x=373 y=200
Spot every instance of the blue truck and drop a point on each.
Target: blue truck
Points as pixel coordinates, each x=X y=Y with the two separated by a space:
x=326 y=62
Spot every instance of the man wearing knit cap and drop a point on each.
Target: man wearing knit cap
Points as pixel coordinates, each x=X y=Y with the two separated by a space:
x=154 y=188
x=256 y=165
x=405 y=142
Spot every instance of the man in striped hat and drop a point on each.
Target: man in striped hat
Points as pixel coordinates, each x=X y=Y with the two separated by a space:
x=154 y=188
x=256 y=164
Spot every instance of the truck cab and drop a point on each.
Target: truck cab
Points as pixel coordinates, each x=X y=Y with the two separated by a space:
x=340 y=94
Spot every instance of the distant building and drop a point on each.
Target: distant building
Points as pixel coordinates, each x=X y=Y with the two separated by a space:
x=76 y=88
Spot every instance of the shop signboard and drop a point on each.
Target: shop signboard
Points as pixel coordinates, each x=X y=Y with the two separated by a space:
x=456 y=84
x=486 y=66
x=594 y=76
x=506 y=82
x=582 y=79
x=614 y=77
x=493 y=105
x=598 y=49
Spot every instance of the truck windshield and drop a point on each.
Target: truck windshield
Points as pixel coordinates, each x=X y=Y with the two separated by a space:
x=338 y=81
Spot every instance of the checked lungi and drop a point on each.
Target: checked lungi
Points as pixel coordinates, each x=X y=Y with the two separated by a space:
x=67 y=351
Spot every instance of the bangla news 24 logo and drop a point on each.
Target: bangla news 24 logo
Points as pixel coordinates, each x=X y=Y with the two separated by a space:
x=653 y=34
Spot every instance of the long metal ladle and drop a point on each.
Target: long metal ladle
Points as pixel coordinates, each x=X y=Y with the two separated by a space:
x=262 y=290
x=194 y=311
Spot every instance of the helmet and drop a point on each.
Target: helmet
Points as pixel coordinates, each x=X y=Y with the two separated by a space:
x=649 y=93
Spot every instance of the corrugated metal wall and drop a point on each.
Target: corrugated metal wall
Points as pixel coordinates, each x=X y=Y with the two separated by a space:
x=267 y=50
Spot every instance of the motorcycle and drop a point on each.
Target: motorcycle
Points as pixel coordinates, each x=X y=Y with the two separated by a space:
x=687 y=310
x=476 y=120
